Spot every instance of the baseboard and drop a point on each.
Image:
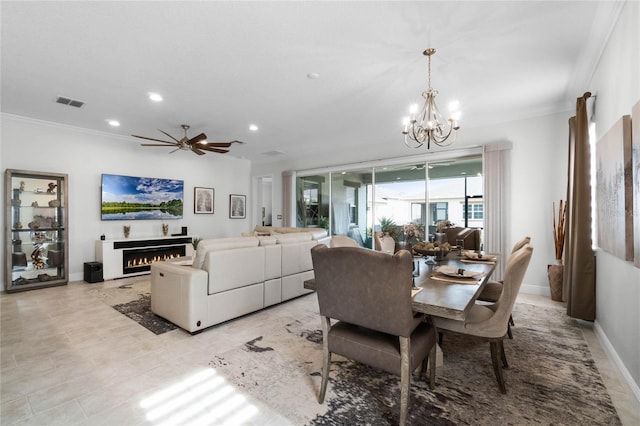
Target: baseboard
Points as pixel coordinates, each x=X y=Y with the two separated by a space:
x=535 y=289
x=613 y=356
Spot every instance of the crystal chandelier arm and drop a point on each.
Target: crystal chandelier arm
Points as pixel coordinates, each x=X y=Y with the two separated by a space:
x=428 y=125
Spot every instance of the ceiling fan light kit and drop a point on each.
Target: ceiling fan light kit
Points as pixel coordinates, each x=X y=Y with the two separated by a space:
x=428 y=126
x=198 y=144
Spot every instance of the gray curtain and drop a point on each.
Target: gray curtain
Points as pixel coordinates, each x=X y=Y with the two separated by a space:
x=579 y=283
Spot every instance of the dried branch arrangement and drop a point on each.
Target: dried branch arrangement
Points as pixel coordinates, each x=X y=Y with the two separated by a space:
x=558 y=228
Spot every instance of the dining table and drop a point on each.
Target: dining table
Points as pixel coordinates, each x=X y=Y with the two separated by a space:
x=447 y=296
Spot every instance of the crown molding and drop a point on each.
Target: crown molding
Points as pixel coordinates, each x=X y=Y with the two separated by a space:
x=604 y=22
x=28 y=120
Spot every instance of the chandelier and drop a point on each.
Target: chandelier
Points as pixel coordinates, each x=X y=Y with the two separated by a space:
x=428 y=126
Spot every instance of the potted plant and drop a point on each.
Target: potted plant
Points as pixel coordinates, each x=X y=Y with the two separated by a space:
x=556 y=272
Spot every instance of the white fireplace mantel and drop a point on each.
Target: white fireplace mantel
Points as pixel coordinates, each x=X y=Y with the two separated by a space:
x=111 y=252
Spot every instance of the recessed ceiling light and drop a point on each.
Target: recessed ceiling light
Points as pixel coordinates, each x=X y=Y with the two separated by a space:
x=253 y=127
x=113 y=123
x=313 y=75
x=155 y=97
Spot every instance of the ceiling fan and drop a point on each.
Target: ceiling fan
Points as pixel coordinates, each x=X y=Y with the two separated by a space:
x=197 y=144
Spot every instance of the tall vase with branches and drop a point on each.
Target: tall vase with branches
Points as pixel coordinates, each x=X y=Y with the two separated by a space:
x=558 y=229
x=556 y=272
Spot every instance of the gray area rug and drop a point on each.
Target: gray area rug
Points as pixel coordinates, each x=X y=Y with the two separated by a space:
x=552 y=378
x=134 y=301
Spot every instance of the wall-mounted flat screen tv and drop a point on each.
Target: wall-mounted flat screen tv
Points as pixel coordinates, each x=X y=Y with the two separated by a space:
x=141 y=198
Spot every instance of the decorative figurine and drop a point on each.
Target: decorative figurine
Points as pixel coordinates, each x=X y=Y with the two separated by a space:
x=165 y=229
x=52 y=188
x=127 y=230
x=21 y=186
x=34 y=204
x=37 y=258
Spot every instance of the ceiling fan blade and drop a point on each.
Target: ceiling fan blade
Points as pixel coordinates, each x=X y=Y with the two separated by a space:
x=196 y=139
x=240 y=142
x=155 y=144
x=207 y=148
x=169 y=135
x=153 y=139
x=171 y=152
x=197 y=151
x=218 y=144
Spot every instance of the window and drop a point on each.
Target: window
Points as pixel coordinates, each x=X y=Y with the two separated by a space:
x=476 y=211
x=439 y=211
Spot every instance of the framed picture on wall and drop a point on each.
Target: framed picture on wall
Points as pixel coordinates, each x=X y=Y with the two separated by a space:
x=237 y=206
x=203 y=200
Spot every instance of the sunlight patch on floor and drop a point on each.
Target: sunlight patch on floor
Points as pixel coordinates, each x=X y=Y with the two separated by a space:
x=202 y=398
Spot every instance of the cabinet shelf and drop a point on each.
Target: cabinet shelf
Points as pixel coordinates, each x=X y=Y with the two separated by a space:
x=37 y=230
x=47 y=243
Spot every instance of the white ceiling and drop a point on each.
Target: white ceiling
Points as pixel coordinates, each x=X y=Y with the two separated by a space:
x=223 y=65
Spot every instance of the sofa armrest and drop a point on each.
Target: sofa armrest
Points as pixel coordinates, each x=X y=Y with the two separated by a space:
x=179 y=294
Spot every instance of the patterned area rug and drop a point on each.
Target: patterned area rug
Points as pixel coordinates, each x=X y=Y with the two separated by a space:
x=133 y=300
x=552 y=378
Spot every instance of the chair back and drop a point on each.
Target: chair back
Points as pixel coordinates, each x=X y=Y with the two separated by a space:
x=342 y=241
x=365 y=287
x=384 y=243
x=517 y=246
x=497 y=324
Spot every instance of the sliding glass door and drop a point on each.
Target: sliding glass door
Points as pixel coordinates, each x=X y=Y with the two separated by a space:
x=393 y=199
x=312 y=201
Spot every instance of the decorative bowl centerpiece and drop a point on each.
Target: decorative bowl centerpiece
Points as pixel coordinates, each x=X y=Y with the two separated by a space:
x=437 y=249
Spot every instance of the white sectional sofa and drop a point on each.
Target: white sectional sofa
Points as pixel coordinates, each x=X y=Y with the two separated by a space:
x=231 y=277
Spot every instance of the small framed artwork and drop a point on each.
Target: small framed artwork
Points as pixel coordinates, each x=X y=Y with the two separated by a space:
x=203 y=200
x=237 y=206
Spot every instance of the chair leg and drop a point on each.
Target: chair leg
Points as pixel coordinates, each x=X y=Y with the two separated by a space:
x=505 y=364
x=326 y=358
x=432 y=367
x=511 y=321
x=509 y=331
x=405 y=378
x=440 y=338
x=497 y=369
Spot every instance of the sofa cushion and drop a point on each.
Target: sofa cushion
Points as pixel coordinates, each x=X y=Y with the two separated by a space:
x=267 y=241
x=293 y=238
x=230 y=269
x=316 y=233
x=216 y=244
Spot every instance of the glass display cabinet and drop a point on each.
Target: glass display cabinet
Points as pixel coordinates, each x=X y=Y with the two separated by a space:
x=36 y=230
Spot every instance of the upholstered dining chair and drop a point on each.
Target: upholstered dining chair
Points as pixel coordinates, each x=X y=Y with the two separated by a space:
x=491 y=322
x=384 y=243
x=492 y=289
x=365 y=307
x=342 y=241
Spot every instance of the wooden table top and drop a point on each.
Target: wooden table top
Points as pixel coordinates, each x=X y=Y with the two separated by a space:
x=444 y=299
x=449 y=299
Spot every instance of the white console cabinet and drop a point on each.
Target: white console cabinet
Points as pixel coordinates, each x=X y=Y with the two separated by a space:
x=133 y=256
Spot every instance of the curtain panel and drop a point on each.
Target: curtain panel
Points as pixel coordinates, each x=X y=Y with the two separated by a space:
x=579 y=284
x=497 y=199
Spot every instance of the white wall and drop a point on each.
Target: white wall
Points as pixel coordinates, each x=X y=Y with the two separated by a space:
x=85 y=155
x=616 y=83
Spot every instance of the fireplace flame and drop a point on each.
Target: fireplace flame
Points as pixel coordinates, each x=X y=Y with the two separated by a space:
x=144 y=261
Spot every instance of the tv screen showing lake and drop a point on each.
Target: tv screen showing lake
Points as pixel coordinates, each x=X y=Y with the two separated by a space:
x=140 y=198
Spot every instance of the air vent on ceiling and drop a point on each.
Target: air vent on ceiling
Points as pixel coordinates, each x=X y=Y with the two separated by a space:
x=273 y=153
x=71 y=102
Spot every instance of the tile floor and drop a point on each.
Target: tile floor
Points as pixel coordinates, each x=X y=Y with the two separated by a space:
x=66 y=358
